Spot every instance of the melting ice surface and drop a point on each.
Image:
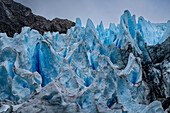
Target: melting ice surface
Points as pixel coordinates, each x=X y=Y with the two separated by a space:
x=87 y=63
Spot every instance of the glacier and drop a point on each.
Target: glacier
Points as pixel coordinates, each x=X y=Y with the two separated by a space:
x=88 y=69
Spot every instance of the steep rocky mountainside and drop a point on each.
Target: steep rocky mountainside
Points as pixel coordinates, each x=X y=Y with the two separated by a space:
x=14 y=16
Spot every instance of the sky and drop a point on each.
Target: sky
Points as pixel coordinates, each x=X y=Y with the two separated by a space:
x=108 y=11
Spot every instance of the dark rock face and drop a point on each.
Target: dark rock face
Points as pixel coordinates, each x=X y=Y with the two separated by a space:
x=160 y=52
x=156 y=75
x=41 y=24
x=14 y=16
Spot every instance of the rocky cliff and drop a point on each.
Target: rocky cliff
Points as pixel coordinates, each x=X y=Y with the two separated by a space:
x=14 y=16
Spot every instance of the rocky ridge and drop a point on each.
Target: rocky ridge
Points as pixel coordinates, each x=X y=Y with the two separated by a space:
x=14 y=16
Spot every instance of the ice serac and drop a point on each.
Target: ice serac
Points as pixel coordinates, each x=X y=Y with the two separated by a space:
x=127 y=33
x=133 y=70
x=25 y=82
x=48 y=63
x=153 y=33
x=167 y=32
x=5 y=84
x=78 y=22
x=17 y=63
x=142 y=46
x=87 y=69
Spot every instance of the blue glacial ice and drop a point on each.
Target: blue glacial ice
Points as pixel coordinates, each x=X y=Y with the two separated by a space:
x=152 y=33
x=83 y=69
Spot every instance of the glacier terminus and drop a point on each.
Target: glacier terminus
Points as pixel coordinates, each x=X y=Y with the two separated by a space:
x=121 y=69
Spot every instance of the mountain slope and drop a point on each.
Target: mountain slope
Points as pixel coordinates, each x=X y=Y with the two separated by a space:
x=14 y=16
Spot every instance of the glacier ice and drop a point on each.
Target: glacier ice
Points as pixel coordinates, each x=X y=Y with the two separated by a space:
x=151 y=32
x=87 y=69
